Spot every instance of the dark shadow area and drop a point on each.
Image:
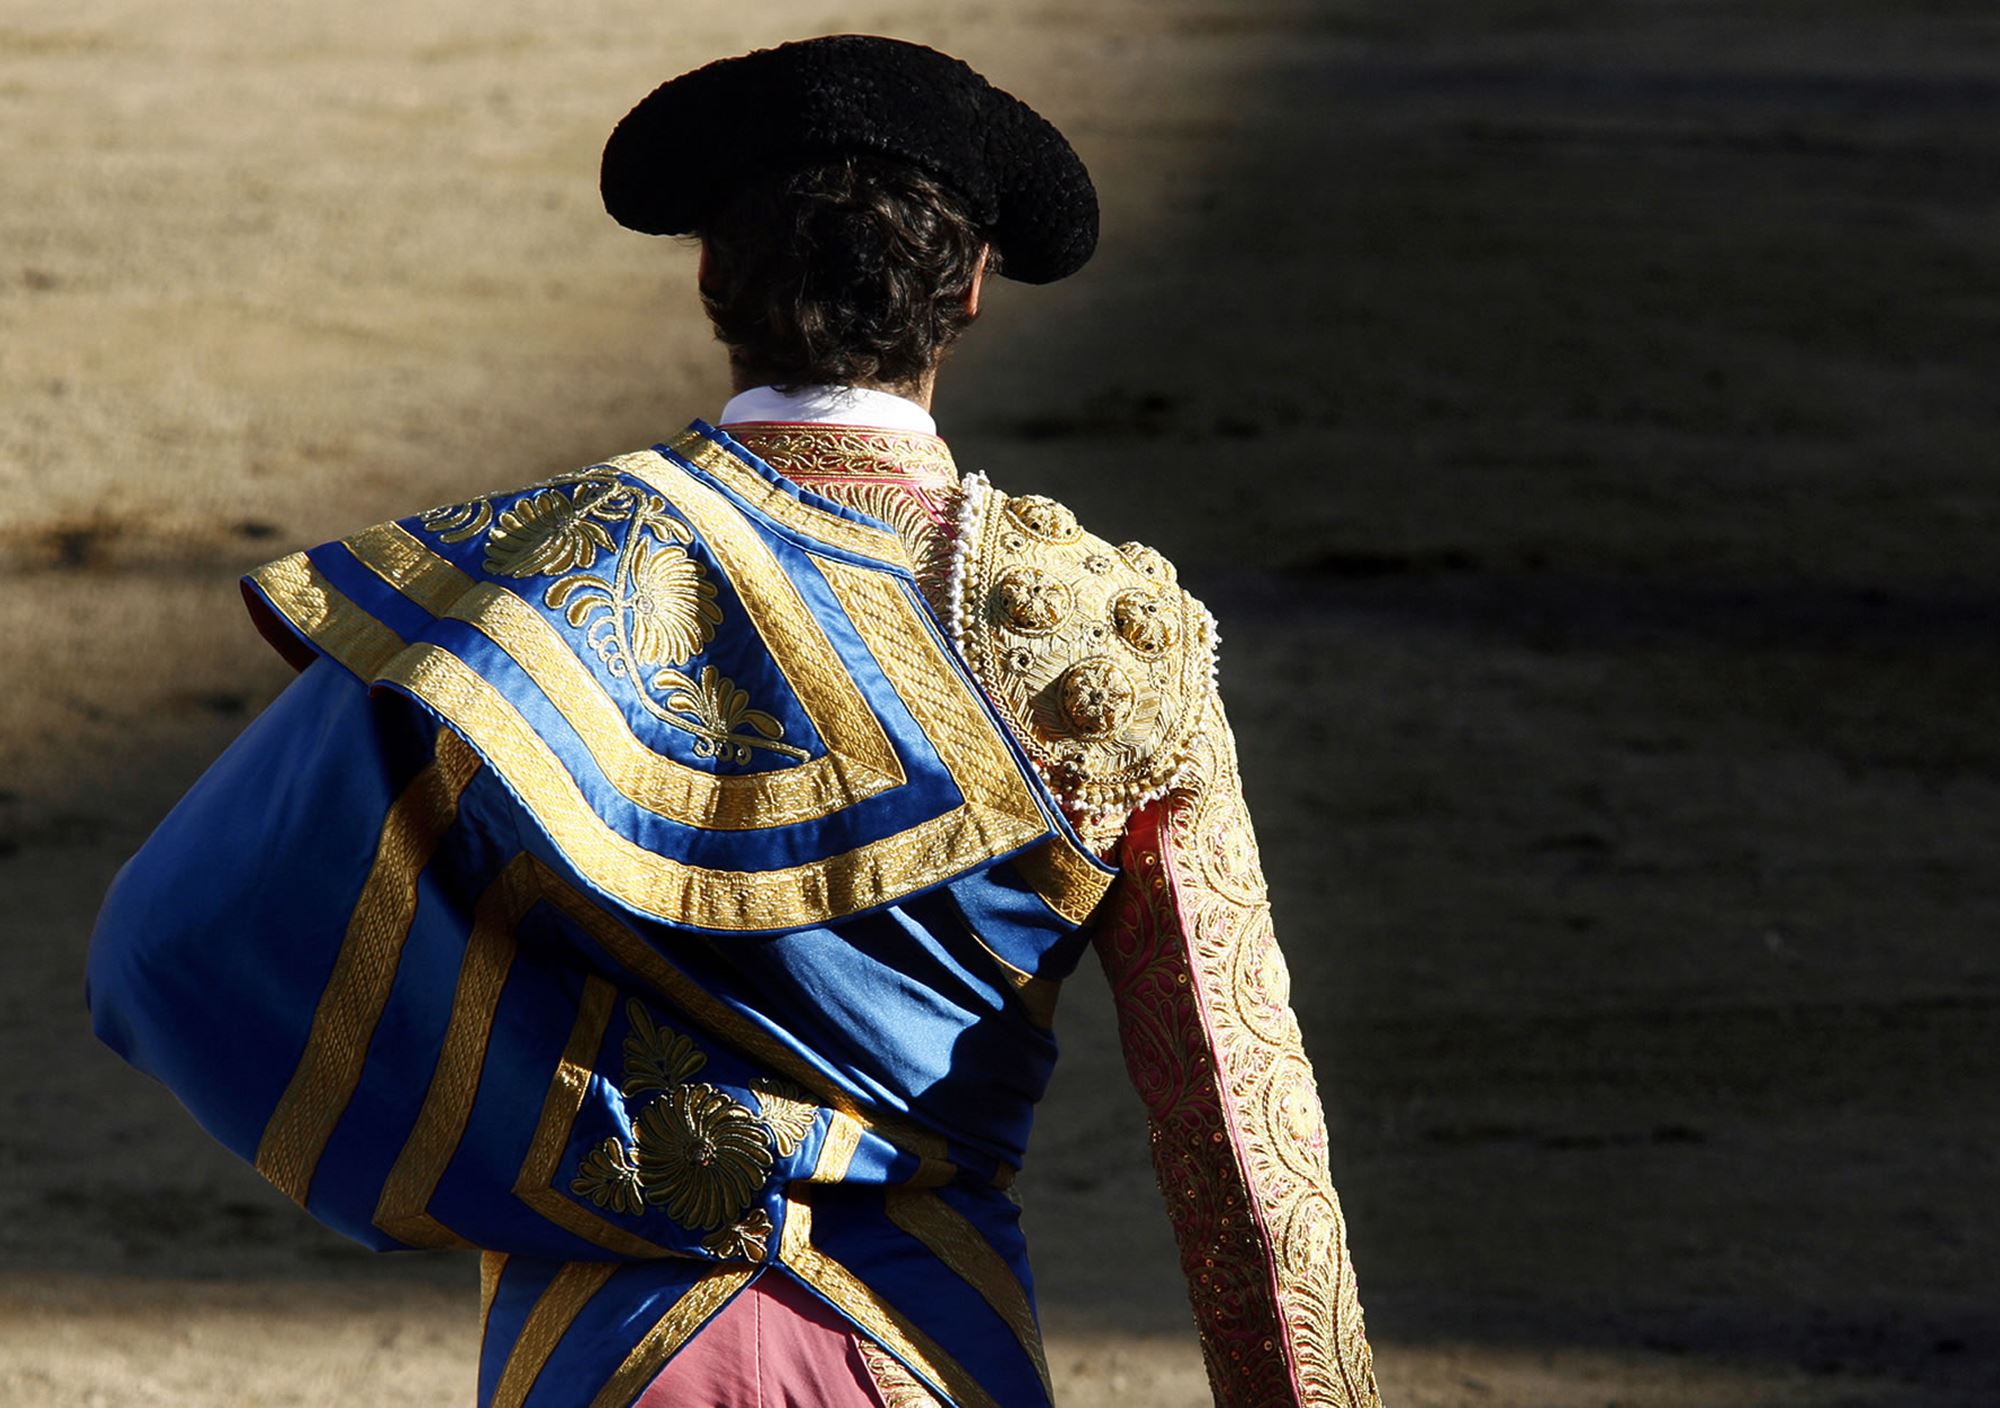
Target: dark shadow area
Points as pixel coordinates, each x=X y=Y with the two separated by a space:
x=1581 y=425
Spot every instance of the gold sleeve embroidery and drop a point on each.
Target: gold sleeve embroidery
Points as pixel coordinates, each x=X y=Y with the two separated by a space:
x=1239 y=1138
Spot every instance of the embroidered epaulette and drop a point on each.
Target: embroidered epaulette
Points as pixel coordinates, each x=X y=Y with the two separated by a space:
x=1094 y=653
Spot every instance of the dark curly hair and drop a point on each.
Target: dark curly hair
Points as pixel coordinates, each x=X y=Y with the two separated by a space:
x=851 y=271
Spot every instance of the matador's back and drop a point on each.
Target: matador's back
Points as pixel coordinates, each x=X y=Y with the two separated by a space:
x=661 y=876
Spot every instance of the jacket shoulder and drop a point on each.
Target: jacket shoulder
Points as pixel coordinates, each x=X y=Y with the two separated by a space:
x=1096 y=656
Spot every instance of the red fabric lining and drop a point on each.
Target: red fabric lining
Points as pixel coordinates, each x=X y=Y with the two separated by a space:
x=776 y=1345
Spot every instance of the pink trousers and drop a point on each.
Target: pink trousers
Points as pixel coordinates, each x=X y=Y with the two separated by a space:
x=775 y=1346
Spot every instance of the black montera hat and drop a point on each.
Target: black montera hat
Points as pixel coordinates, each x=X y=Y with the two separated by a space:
x=676 y=152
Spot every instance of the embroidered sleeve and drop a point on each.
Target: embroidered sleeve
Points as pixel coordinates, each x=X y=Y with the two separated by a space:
x=1239 y=1139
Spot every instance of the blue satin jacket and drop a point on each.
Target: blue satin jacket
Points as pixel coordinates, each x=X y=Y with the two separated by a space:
x=633 y=885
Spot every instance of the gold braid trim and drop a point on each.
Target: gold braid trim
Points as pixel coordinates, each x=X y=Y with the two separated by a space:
x=549 y=1319
x=695 y=1307
x=1239 y=1139
x=364 y=970
x=955 y=1241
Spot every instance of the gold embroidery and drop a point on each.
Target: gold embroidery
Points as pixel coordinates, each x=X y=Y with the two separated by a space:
x=826 y=451
x=1239 y=1142
x=860 y=761
x=673 y=605
x=304 y=599
x=1097 y=698
x=456 y=523
x=905 y=480
x=1146 y=622
x=1064 y=877
x=911 y=512
x=491 y=1264
x=657 y=608
x=916 y=665
x=726 y=1024
x=836 y=1150
x=864 y=539
x=655 y=1060
x=364 y=970
x=958 y=1244
x=792 y=898
x=1029 y=600
x=724 y=712
x=1043 y=518
x=560 y=1107
x=549 y=1319
x=789 y=1115
x=697 y=1151
x=701 y=1155
x=746 y=1239
x=608 y=1177
x=875 y=1315
x=687 y=1314
x=894 y=1385
x=1000 y=812
x=1093 y=653
x=489 y=954
x=546 y=533
x=1037 y=995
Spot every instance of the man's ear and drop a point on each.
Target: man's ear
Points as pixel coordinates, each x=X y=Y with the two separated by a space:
x=978 y=278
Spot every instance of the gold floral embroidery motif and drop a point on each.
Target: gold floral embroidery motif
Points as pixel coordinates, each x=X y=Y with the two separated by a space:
x=1093 y=653
x=748 y=1238
x=786 y=1110
x=1239 y=1139
x=544 y=534
x=1044 y=518
x=646 y=619
x=609 y=1178
x=701 y=1155
x=697 y=1152
x=1029 y=600
x=1097 y=698
x=656 y=1061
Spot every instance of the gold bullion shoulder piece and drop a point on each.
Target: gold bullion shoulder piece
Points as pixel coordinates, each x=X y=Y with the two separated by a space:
x=1094 y=653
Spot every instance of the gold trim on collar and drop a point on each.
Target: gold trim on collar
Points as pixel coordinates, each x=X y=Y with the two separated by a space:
x=774 y=501
x=814 y=452
x=906 y=480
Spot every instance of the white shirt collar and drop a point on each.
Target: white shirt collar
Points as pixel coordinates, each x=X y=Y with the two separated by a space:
x=828 y=405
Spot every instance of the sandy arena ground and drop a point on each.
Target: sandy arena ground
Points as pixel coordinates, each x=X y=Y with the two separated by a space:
x=1580 y=415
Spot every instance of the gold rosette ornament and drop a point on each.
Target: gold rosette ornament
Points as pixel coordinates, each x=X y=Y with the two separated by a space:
x=673 y=606
x=701 y=1155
